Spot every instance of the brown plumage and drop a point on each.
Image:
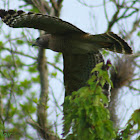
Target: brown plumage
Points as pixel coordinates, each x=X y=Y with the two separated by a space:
x=80 y=49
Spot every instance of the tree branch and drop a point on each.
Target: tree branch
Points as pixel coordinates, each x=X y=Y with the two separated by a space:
x=29 y=56
x=42 y=105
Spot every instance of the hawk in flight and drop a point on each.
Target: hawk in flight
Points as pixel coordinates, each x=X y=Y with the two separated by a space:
x=80 y=49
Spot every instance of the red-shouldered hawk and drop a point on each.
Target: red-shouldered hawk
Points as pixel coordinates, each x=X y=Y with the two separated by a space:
x=81 y=50
x=78 y=47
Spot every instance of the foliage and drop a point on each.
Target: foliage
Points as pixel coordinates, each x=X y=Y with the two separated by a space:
x=88 y=118
x=132 y=127
x=86 y=113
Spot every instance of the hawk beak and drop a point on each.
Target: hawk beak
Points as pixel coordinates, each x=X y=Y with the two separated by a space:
x=34 y=44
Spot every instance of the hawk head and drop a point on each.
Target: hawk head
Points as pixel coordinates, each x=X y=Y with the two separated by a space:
x=42 y=41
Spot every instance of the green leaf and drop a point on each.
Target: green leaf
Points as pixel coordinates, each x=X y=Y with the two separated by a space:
x=33 y=69
x=25 y=84
x=136 y=117
x=36 y=79
x=138 y=33
x=20 y=42
x=1 y=43
x=98 y=67
x=54 y=74
x=35 y=100
x=105 y=53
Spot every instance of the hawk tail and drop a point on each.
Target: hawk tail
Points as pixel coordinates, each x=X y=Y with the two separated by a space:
x=115 y=43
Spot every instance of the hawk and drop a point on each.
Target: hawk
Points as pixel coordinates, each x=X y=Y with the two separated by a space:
x=81 y=50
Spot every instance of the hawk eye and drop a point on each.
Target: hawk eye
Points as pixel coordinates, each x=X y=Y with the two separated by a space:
x=38 y=38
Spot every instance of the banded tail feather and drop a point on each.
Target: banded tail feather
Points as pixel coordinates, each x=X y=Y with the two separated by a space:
x=119 y=46
x=112 y=42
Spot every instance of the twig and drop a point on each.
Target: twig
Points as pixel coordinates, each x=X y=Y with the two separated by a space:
x=26 y=55
x=104 y=3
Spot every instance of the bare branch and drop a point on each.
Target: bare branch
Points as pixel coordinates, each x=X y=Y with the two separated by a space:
x=41 y=108
x=136 y=24
x=1 y=106
x=54 y=4
x=37 y=127
x=59 y=2
x=133 y=88
x=104 y=4
x=116 y=18
x=113 y=20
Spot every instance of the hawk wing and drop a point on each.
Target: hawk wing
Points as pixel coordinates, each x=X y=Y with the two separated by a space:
x=50 y=24
x=77 y=70
x=54 y=25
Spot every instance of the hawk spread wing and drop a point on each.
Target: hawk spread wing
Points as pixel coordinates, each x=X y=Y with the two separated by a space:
x=57 y=27
x=80 y=49
x=77 y=69
x=50 y=24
